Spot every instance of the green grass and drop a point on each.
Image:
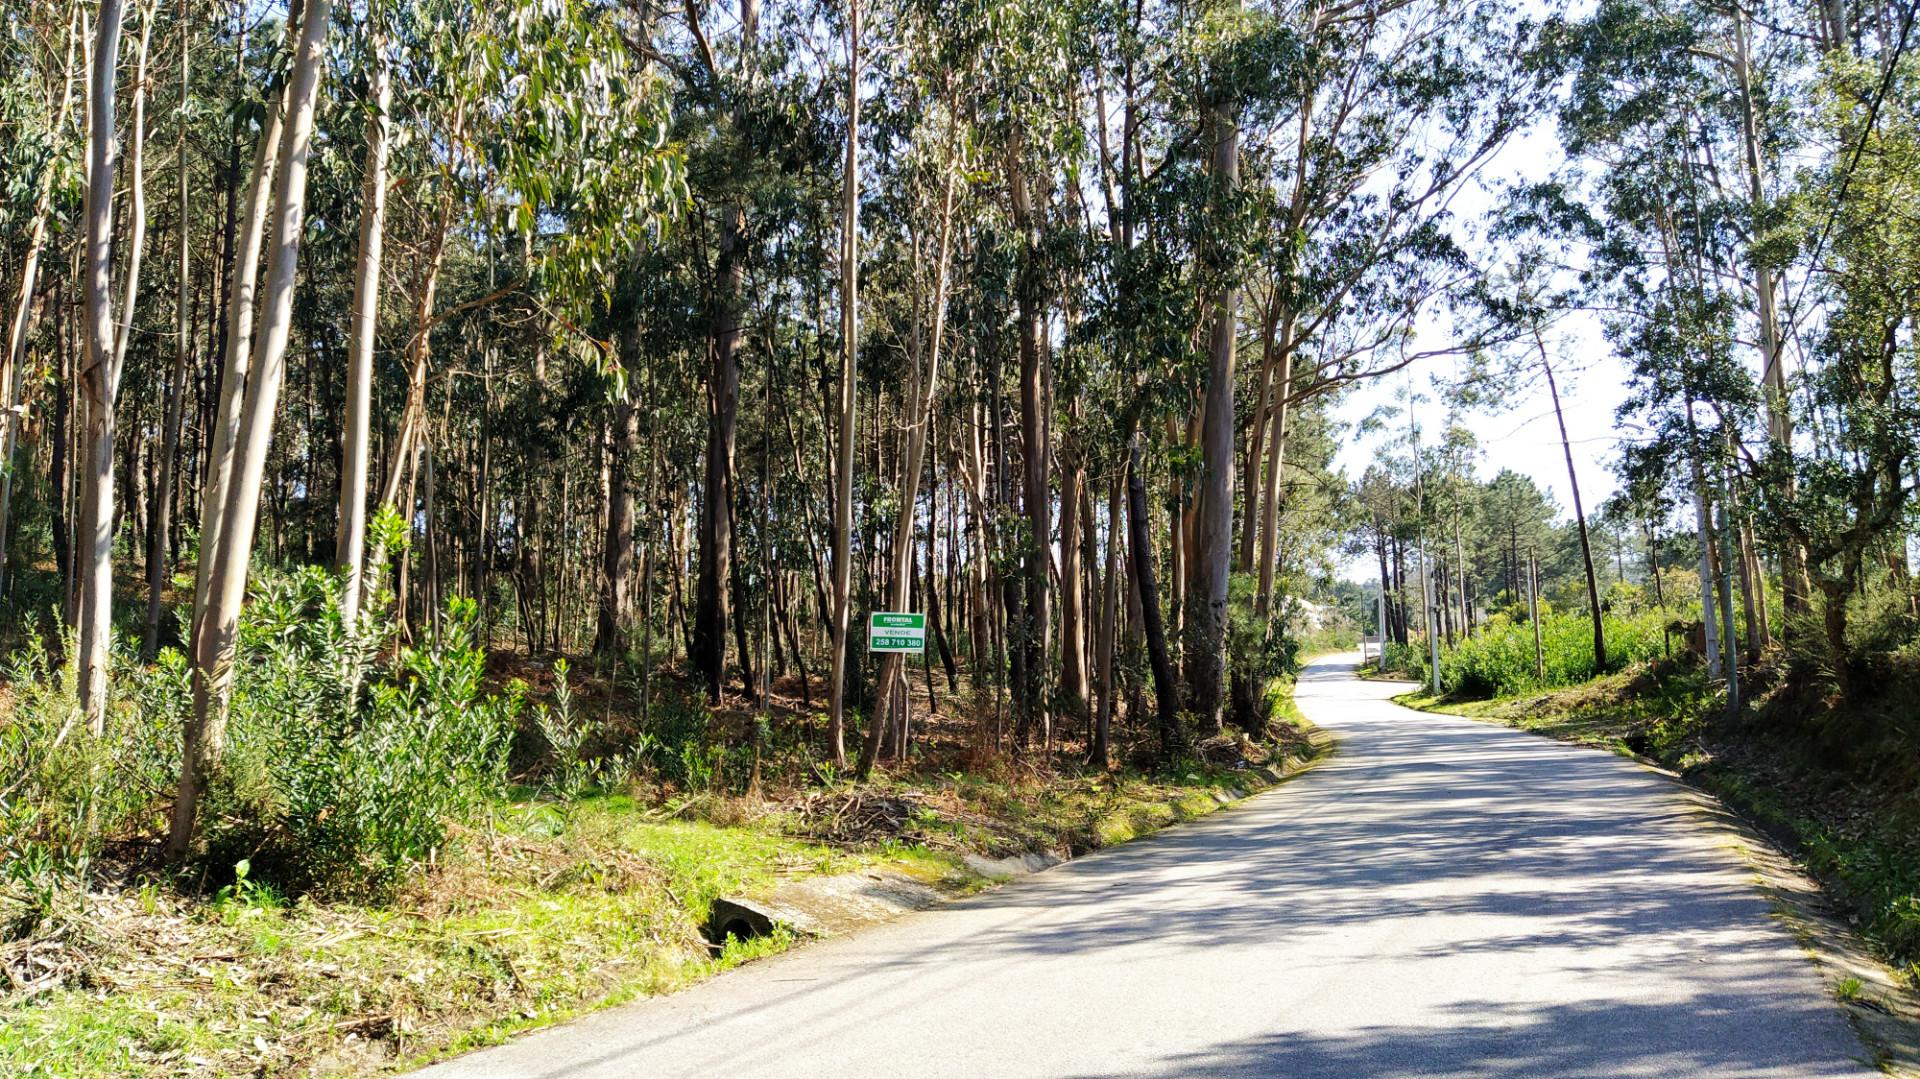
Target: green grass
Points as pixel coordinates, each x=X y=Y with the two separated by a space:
x=525 y=928
x=1498 y=660
x=542 y=915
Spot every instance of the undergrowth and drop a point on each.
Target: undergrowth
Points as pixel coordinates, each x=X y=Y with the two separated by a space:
x=409 y=852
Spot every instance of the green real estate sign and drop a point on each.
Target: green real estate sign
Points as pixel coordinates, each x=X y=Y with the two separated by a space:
x=896 y=631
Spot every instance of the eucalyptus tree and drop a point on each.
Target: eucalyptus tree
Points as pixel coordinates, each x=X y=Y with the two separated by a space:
x=1849 y=497
x=849 y=409
x=226 y=561
x=1398 y=109
x=1028 y=50
x=932 y=173
x=726 y=94
x=1207 y=592
x=108 y=331
x=39 y=96
x=356 y=464
x=1681 y=113
x=553 y=119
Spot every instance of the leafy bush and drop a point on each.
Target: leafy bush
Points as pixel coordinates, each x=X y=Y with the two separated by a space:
x=340 y=772
x=334 y=785
x=66 y=794
x=1259 y=650
x=571 y=773
x=1498 y=660
x=1406 y=660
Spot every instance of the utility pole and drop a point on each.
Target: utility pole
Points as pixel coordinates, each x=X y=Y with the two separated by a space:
x=1730 y=640
x=1433 y=624
x=1426 y=572
x=1533 y=616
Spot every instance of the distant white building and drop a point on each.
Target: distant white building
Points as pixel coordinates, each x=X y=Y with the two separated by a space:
x=1308 y=616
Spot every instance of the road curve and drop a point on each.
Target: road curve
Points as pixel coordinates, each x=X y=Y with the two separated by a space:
x=1443 y=898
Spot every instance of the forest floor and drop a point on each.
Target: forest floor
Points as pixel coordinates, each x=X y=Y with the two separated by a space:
x=546 y=910
x=1838 y=788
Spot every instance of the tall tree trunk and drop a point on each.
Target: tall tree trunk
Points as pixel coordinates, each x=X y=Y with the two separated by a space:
x=1795 y=587
x=59 y=468
x=350 y=542
x=228 y=562
x=1281 y=412
x=849 y=404
x=939 y=616
x=616 y=562
x=1282 y=318
x=1579 y=511
x=1165 y=690
x=106 y=348
x=1251 y=517
x=616 y=565
x=238 y=331
x=1099 y=753
x=1208 y=574
x=1074 y=691
x=159 y=537
x=716 y=506
x=716 y=574
x=1031 y=628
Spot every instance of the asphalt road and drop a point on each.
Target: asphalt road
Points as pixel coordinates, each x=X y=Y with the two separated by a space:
x=1443 y=898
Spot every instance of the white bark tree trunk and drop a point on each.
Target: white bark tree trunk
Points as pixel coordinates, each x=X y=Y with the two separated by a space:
x=225 y=565
x=233 y=378
x=849 y=412
x=351 y=541
x=106 y=349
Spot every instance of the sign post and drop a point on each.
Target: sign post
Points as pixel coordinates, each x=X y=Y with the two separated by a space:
x=896 y=631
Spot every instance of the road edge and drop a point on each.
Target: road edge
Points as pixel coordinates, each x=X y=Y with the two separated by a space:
x=1263 y=780
x=1883 y=1012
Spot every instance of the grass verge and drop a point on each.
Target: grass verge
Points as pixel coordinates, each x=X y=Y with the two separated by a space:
x=541 y=914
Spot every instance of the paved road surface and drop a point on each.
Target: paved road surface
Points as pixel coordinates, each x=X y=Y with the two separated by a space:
x=1443 y=898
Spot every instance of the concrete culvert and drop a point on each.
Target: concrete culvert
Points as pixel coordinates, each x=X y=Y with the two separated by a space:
x=742 y=919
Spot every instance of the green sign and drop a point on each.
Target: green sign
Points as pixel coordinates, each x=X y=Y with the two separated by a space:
x=896 y=631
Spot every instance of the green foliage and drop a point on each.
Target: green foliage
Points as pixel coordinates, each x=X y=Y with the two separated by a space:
x=688 y=750
x=340 y=772
x=1498 y=660
x=66 y=793
x=571 y=774
x=333 y=786
x=1406 y=660
x=1259 y=650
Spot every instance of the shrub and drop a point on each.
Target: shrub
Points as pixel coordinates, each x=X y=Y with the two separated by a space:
x=1259 y=650
x=1498 y=660
x=67 y=794
x=337 y=786
x=570 y=772
x=340 y=771
x=1406 y=660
